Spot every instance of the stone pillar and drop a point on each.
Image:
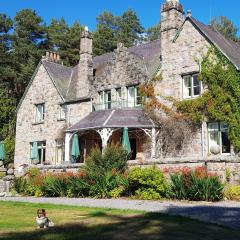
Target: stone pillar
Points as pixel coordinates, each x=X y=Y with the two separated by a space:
x=67 y=147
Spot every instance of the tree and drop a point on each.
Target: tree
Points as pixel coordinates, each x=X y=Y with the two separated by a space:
x=226 y=27
x=65 y=40
x=129 y=29
x=6 y=74
x=153 y=33
x=111 y=29
x=28 y=46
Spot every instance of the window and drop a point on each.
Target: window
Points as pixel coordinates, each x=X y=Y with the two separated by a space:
x=38 y=152
x=218 y=138
x=134 y=97
x=40 y=112
x=192 y=87
x=59 y=156
x=105 y=100
x=62 y=113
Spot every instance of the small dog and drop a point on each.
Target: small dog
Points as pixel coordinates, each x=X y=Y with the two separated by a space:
x=42 y=220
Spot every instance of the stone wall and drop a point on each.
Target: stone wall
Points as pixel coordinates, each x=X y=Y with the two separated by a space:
x=41 y=90
x=227 y=168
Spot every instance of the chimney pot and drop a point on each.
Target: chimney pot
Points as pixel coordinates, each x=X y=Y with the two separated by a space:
x=189 y=13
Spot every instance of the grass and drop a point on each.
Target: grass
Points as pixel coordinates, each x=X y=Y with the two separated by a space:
x=17 y=221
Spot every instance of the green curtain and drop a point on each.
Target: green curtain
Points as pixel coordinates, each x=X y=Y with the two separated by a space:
x=75 y=153
x=34 y=152
x=126 y=142
x=2 y=151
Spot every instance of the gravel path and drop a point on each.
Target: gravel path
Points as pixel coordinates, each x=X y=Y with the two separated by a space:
x=224 y=213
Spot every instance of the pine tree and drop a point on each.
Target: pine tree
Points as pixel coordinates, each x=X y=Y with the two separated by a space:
x=28 y=46
x=226 y=27
x=153 y=33
x=65 y=40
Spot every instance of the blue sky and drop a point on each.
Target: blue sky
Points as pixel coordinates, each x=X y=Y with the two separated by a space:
x=85 y=11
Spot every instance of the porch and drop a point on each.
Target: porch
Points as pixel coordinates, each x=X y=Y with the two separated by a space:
x=101 y=128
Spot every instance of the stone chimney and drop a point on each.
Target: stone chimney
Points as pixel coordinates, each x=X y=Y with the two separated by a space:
x=85 y=68
x=52 y=57
x=172 y=17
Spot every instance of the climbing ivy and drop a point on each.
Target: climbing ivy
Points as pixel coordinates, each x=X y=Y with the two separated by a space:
x=221 y=99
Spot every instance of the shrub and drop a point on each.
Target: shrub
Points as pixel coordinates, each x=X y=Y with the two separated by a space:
x=103 y=185
x=55 y=185
x=20 y=185
x=78 y=186
x=232 y=192
x=147 y=183
x=113 y=157
x=197 y=185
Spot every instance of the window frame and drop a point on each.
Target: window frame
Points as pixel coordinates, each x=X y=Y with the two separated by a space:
x=136 y=97
x=219 y=131
x=38 y=118
x=184 y=87
x=104 y=101
x=42 y=147
x=62 y=113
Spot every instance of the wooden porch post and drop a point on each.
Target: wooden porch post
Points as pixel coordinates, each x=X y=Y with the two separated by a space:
x=105 y=134
x=153 y=137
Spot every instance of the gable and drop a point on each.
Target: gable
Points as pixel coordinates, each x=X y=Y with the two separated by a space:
x=40 y=82
x=229 y=48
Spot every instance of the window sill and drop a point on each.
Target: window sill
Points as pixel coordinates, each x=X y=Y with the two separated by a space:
x=61 y=120
x=38 y=123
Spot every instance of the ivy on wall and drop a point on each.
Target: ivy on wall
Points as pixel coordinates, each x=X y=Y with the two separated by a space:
x=221 y=99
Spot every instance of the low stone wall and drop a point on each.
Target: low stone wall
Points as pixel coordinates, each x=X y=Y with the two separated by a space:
x=228 y=168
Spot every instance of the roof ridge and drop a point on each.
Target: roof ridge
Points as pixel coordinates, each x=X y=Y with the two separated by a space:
x=45 y=60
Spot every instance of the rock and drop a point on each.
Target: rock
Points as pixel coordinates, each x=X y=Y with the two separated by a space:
x=2 y=194
x=10 y=171
x=9 y=178
x=1 y=163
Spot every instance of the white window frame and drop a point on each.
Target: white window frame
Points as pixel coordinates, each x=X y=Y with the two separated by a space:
x=220 y=129
x=62 y=113
x=134 y=101
x=59 y=146
x=186 y=89
x=104 y=101
x=40 y=113
x=42 y=146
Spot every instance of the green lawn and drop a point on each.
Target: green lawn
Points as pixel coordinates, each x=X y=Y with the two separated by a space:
x=17 y=221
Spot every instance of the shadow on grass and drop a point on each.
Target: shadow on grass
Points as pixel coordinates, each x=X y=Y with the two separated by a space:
x=145 y=226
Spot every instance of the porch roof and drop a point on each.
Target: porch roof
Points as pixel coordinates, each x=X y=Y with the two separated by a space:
x=118 y=118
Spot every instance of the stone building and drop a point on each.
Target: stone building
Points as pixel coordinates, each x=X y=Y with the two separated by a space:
x=100 y=96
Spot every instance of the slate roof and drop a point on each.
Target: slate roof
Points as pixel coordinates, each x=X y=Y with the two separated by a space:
x=229 y=48
x=118 y=118
x=65 y=78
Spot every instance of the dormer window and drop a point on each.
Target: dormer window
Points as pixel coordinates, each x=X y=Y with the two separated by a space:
x=192 y=87
x=134 y=97
x=105 y=100
x=40 y=113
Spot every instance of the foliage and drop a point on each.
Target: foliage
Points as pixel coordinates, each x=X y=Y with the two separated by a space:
x=114 y=157
x=197 y=185
x=232 y=192
x=226 y=27
x=65 y=40
x=20 y=184
x=147 y=183
x=153 y=33
x=221 y=101
x=111 y=30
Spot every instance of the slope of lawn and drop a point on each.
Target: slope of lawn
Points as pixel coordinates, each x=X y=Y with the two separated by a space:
x=17 y=221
